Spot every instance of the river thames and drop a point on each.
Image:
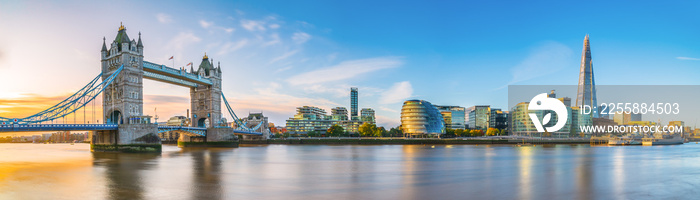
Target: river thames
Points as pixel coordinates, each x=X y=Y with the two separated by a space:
x=64 y=171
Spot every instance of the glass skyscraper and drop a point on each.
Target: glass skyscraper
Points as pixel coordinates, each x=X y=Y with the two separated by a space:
x=353 y=103
x=586 y=82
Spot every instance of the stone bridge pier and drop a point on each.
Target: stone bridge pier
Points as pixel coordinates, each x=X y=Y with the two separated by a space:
x=216 y=137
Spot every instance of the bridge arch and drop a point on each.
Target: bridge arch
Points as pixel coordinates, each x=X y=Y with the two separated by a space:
x=203 y=122
x=115 y=117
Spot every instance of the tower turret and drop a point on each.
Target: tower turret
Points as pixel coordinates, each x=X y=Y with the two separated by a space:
x=140 y=44
x=104 y=47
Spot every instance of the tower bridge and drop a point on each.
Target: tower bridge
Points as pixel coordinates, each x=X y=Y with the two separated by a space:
x=125 y=127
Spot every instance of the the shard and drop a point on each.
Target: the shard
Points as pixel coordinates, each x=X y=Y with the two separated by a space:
x=586 y=81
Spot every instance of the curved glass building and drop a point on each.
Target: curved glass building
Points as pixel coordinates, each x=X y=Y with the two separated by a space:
x=419 y=117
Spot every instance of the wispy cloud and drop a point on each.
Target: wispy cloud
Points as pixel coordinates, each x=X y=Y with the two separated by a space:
x=335 y=91
x=284 y=56
x=164 y=18
x=388 y=122
x=274 y=26
x=180 y=41
x=275 y=39
x=345 y=70
x=253 y=25
x=232 y=46
x=388 y=109
x=301 y=37
x=687 y=58
x=283 y=69
x=205 y=24
x=397 y=93
x=543 y=60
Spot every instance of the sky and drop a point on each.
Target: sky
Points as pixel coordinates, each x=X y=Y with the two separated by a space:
x=278 y=55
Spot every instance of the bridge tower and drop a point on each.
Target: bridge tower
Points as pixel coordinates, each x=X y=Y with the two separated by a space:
x=206 y=99
x=122 y=101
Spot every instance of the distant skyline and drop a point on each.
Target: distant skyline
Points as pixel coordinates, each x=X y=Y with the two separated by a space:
x=279 y=55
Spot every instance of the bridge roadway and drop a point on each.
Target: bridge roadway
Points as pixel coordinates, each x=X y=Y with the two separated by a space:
x=101 y=127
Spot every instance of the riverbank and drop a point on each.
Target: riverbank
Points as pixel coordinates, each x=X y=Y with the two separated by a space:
x=402 y=141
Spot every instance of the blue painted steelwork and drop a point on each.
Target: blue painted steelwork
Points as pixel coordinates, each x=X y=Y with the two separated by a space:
x=240 y=125
x=195 y=130
x=70 y=104
x=56 y=127
x=169 y=75
x=242 y=132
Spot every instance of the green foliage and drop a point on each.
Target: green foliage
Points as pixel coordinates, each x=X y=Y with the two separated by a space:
x=335 y=131
x=367 y=129
x=395 y=132
x=312 y=134
x=492 y=131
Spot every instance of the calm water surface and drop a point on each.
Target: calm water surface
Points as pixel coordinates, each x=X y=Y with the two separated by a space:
x=63 y=171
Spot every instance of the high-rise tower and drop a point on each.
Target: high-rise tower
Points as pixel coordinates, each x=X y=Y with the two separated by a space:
x=353 y=103
x=586 y=81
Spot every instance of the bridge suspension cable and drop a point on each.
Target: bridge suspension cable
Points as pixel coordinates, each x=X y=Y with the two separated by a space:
x=71 y=104
x=241 y=125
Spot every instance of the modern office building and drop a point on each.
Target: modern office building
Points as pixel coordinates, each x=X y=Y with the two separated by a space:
x=353 y=103
x=498 y=119
x=339 y=113
x=419 y=118
x=454 y=116
x=586 y=81
x=310 y=118
x=310 y=113
x=521 y=124
x=367 y=115
x=479 y=117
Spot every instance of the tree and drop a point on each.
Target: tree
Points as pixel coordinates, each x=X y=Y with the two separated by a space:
x=449 y=132
x=459 y=133
x=395 y=132
x=335 y=131
x=367 y=129
x=312 y=134
x=380 y=132
x=492 y=131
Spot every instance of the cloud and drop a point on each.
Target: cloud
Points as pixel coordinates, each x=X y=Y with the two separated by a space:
x=275 y=40
x=183 y=39
x=397 y=93
x=205 y=24
x=687 y=58
x=284 y=56
x=24 y=105
x=229 y=30
x=232 y=46
x=283 y=69
x=164 y=18
x=301 y=37
x=345 y=70
x=272 y=99
x=543 y=60
x=388 y=109
x=388 y=122
x=274 y=26
x=252 y=25
x=340 y=91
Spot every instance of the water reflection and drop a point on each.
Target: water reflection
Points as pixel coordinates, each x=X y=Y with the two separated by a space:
x=352 y=172
x=124 y=173
x=206 y=178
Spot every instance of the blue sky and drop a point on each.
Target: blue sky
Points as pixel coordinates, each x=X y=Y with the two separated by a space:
x=277 y=55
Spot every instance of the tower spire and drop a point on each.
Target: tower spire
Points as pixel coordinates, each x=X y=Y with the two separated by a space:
x=140 y=44
x=104 y=45
x=586 y=80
